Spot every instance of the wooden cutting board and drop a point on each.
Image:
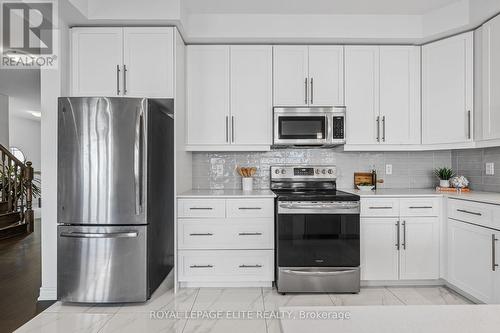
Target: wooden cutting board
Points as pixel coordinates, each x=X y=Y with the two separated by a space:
x=363 y=177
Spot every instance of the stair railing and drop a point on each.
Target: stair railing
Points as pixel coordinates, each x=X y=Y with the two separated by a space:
x=16 y=186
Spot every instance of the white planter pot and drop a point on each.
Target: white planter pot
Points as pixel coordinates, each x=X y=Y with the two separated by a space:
x=247 y=184
x=444 y=183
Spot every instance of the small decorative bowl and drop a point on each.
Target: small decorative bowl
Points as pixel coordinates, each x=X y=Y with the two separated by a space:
x=365 y=187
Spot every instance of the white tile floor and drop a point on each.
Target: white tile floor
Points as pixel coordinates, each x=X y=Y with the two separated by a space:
x=136 y=317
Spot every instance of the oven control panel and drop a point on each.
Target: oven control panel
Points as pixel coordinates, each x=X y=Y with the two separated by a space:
x=307 y=172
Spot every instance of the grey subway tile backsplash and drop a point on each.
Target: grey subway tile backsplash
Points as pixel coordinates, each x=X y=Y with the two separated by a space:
x=217 y=170
x=471 y=163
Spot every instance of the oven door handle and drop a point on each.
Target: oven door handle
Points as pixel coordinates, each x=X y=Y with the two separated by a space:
x=318 y=273
x=302 y=206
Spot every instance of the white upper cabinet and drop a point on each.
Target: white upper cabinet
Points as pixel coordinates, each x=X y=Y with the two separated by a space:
x=96 y=61
x=148 y=57
x=229 y=97
x=308 y=75
x=136 y=62
x=251 y=95
x=291 y=81
x=208 y=95
x=362 y=94
x=382 y=88
x=491 y=80
x=326 y=75
x=447 y=90
x=400 y=94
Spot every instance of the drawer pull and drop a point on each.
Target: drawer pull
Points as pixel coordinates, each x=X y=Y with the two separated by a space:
x=206 y=234
x=201 y=266
x=250 y=266
x=249 y=208
x=250 y=233
x=201 y=208
x=468 y=212
x=421 y=207
x=379 y=207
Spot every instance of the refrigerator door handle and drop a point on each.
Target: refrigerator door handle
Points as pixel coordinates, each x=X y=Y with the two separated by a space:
x=128 y=234
x=138 y=163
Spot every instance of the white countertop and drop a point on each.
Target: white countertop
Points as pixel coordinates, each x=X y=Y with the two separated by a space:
x=395 y=319
x=226 y=194
x=485 y=197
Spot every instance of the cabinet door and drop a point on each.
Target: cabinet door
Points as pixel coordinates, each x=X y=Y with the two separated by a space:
x=491 y=80
x=379 y=253
x=470 y=259
x=326 y=75
x=208 y=94
x=447 y=94
x=400 y=94
x=148 y=56
x=251 y=95
x=419 y=248
x=362 y=94
x=96 y=60
x=291 y=84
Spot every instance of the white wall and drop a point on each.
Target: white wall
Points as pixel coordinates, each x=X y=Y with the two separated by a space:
x=25 y=134
x=4 y=120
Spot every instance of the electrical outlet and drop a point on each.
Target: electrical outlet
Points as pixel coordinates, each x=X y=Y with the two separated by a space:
x=490 y=169
x=388 y=169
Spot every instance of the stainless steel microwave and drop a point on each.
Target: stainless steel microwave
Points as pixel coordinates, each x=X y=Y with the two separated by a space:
x=309 y=126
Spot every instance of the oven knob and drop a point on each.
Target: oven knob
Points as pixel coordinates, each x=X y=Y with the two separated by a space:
x=276 y=171
x=323 y=171
x=283 y=171
x=330 y=171
x=317 y=171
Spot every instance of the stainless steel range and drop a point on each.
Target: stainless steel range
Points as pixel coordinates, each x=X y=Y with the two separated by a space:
x=317 y=231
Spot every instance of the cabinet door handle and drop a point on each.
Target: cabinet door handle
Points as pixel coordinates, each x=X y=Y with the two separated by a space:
x=468 y=212
x=250 y=234
x=494 y=265
x=250 y=266
x=118 y=80
x=227 y=128
x=420 y=207
x=379 y=207
x=383 y=128
x=305 y=83
x=469 y=129
x=201 y=266
x=312 y=91
x=404 y=235
x=378 y=128
x=124 y=79
x=397 y=236
x=232 y=129
x=200 y=208
x=249 y=208
x=205 y=234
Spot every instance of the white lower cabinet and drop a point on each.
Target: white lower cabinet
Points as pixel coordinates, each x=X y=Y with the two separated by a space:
x=471 y=260
x=395 y=247
x=225 y=247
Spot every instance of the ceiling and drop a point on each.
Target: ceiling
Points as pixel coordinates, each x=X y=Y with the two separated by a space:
x=328 y=7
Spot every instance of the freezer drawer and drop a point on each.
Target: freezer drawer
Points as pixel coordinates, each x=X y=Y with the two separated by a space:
x=102 y=264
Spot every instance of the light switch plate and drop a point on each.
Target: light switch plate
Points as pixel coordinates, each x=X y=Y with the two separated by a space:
x=388 y=169
x=490 y=169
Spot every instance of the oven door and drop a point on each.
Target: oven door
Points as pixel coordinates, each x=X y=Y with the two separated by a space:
x=315 y=234
x=301 y=127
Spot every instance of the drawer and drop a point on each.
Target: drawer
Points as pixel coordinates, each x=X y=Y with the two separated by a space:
x=420 y=207
x=201 y=208
x=473 y=212
x=223 y=234
x=226 y=266
x=251 y=208
x=380 y=207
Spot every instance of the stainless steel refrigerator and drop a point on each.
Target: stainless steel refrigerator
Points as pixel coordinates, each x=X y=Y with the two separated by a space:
x=115 y=198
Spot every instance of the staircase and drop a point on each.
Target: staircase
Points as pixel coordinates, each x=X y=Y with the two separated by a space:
x=16 y=195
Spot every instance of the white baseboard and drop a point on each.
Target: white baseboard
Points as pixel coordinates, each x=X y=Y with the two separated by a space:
x=402 y=283
x=225 y=284
x=47 y=294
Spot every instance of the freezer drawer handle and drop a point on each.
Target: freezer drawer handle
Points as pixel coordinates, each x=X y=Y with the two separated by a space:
x=206 y=234
x=201 y=266
x=320 y=273
x=421 y=207
x=468 y=212
x=201 y=208
x=250 y=233
x=250 y=266
x=126 y=234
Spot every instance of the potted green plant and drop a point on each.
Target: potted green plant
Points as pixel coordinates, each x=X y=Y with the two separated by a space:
x=444 y=174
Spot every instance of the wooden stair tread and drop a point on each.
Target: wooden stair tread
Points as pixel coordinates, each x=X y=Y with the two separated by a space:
x=9 y=218
x=13 y=230
x=13 y=225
